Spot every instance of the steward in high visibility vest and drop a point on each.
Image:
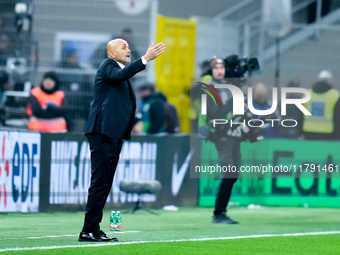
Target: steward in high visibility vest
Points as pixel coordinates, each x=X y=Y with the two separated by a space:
x=324 y=105
x=45 y=106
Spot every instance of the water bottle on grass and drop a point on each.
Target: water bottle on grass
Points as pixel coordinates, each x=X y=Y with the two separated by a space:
x=118 y=222
x=112 y=220
x=115 y=221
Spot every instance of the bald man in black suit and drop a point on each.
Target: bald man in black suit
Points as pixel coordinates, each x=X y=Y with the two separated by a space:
x=110 y=121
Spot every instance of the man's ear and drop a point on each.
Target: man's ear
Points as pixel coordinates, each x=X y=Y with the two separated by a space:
x=112 y=54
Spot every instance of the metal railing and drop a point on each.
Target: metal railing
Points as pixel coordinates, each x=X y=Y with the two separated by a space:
x=253 y=39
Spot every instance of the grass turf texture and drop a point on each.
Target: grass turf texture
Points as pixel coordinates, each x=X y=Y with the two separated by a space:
x=187 y=223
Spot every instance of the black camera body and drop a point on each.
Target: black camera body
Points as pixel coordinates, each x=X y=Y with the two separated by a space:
x=236 y=67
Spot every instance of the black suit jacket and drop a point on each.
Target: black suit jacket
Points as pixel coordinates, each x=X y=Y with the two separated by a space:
x=114 y=104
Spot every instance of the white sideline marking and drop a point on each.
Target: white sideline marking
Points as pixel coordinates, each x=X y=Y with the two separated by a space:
x=171 y=241
x=40 y=237
x=36 y=237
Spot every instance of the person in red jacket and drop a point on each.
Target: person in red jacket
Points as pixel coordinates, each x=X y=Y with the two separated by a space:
x=46 y=106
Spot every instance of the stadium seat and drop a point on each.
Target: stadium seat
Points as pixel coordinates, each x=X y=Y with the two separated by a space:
x=13 y=108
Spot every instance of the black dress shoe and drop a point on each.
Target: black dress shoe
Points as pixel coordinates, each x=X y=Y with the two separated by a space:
x=224 y=219
x=96 y=236
x=112 y=239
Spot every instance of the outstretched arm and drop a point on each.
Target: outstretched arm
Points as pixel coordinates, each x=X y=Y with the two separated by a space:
x=116 y=73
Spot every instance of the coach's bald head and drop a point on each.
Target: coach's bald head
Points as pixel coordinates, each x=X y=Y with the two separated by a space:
x=118 y=49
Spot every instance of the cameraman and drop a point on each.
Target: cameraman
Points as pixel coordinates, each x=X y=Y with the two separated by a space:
x=228 y=148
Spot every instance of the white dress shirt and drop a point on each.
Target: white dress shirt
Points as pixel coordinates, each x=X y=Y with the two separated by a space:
x=122 y=66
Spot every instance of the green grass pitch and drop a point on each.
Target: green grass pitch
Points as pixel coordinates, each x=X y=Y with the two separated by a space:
x=187 y=231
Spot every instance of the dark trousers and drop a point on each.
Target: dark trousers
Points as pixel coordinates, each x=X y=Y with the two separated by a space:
x=104 y=159
x=228 y=154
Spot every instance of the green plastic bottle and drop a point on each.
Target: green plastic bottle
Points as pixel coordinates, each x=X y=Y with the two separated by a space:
x=118 y=222
x=112 y=220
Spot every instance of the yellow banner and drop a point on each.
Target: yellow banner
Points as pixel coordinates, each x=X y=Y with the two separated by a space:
x=175 y=67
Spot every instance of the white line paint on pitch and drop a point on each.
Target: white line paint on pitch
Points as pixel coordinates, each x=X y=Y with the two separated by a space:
x=170 y=241
x=122 y=232
x=41 y=237
x=36 y=237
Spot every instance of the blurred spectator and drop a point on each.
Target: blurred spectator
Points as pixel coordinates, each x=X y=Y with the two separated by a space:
x=324 y=105
x=77 y=87
x=127 y=35
x=5 y=83
x=46 y=106
x=195 y=95
x=260 y=102
x=195 y=106
x=13 y=99
x=71 y=60
x=4 y=45
x=70 y=81
x=100 y=53
x=157 y=114
x=312 y=8
x=205 y=68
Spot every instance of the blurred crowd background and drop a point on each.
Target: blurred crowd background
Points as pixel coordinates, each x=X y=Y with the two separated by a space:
x=295 y=44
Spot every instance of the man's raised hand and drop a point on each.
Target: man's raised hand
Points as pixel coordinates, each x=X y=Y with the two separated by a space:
x=154 y=51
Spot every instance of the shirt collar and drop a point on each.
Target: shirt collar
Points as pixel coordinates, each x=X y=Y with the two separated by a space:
x=120 y=65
